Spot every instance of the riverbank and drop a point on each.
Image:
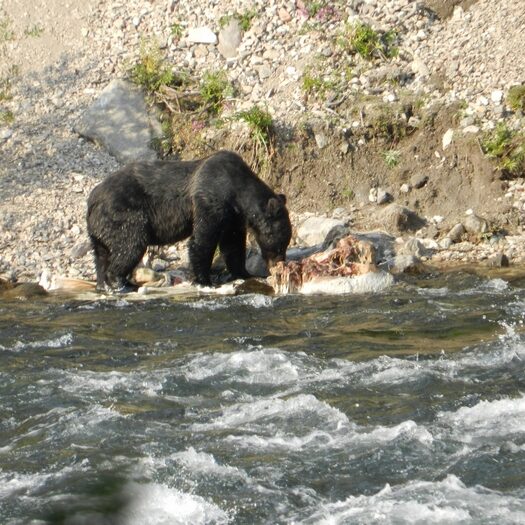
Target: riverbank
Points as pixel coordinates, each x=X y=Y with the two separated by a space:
x=57 y=63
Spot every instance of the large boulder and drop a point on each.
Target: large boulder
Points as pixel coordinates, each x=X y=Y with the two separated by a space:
x=119 y=121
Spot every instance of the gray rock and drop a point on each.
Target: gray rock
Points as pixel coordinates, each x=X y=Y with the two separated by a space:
x=255 y=265
x=475 y=224
x=499 y=260
x=5 y=134
x=383 y=197
x=230 y=37
x=315 y=229
x=456 y=233
x=415 y=248
x=445 y=243
x=418 y=181
x=405 y=264
x=119 y=121
x=400 y=219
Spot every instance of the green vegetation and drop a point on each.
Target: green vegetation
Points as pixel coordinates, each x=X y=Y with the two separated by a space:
x=392 y=157
x=508 y=147
x=244 y=19
x=348 y=194
x=6 y=116
x=151 y=72
x=6 y=33
x=214 y=89
x=176 y=31
x=260 y=123
x=362 y=39
x=516 y=98
x=315 y=85
x=34 y=31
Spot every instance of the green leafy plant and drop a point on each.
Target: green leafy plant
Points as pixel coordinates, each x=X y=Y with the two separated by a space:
x=508 y=147
x=244 y=19
x=151 y=72
x=214 y=89
x=176 y=31
x=363 y=40
x=392 y=157
x=260 y=123
x=6 y=116
x=516 y=98
x=348 y=194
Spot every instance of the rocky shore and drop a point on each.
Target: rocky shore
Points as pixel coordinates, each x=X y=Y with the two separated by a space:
x=56 y=62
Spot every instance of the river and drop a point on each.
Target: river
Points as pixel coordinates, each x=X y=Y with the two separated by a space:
x=405 y=406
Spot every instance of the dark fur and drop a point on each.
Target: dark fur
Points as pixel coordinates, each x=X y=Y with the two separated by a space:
x=213 y=200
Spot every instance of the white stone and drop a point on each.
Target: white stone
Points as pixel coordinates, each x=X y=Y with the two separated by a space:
x=471 y=129
x=202 y=35
x=496 y=96
x=447 y=138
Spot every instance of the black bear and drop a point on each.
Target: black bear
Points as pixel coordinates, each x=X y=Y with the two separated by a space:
x=214 y=200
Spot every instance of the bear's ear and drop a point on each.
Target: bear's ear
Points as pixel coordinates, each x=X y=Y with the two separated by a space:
x=275 y=205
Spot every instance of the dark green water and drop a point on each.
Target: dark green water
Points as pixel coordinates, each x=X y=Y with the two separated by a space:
x=406 y=406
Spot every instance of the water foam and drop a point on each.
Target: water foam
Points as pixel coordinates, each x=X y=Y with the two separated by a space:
x=485 y=422
x=157 y=504
x=446 y=501
x=255 y=366
x=58 y=342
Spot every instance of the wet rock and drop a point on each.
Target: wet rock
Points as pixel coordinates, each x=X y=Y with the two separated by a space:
x=23 y=291
x=405 y=264
x=119 y=121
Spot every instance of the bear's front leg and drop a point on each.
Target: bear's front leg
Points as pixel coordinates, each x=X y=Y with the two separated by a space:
x=201 y=257
x=233 y=250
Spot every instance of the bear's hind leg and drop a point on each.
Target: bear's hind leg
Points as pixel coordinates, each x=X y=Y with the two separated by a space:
x=101 y=263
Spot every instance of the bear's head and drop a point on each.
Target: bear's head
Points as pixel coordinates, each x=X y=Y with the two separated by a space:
x=274 y=231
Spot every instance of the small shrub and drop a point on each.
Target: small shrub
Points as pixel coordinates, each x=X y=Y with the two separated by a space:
x=215 y=88
x=363 y=40
x=151 y=72
x=495 y=144
x=6 y=116
x=392 y=157
x=176 y=31
x=516 y=98
x=34 y=31
x=508 y=147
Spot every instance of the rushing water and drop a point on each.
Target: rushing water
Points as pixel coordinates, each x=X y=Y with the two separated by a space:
x=406 y=406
